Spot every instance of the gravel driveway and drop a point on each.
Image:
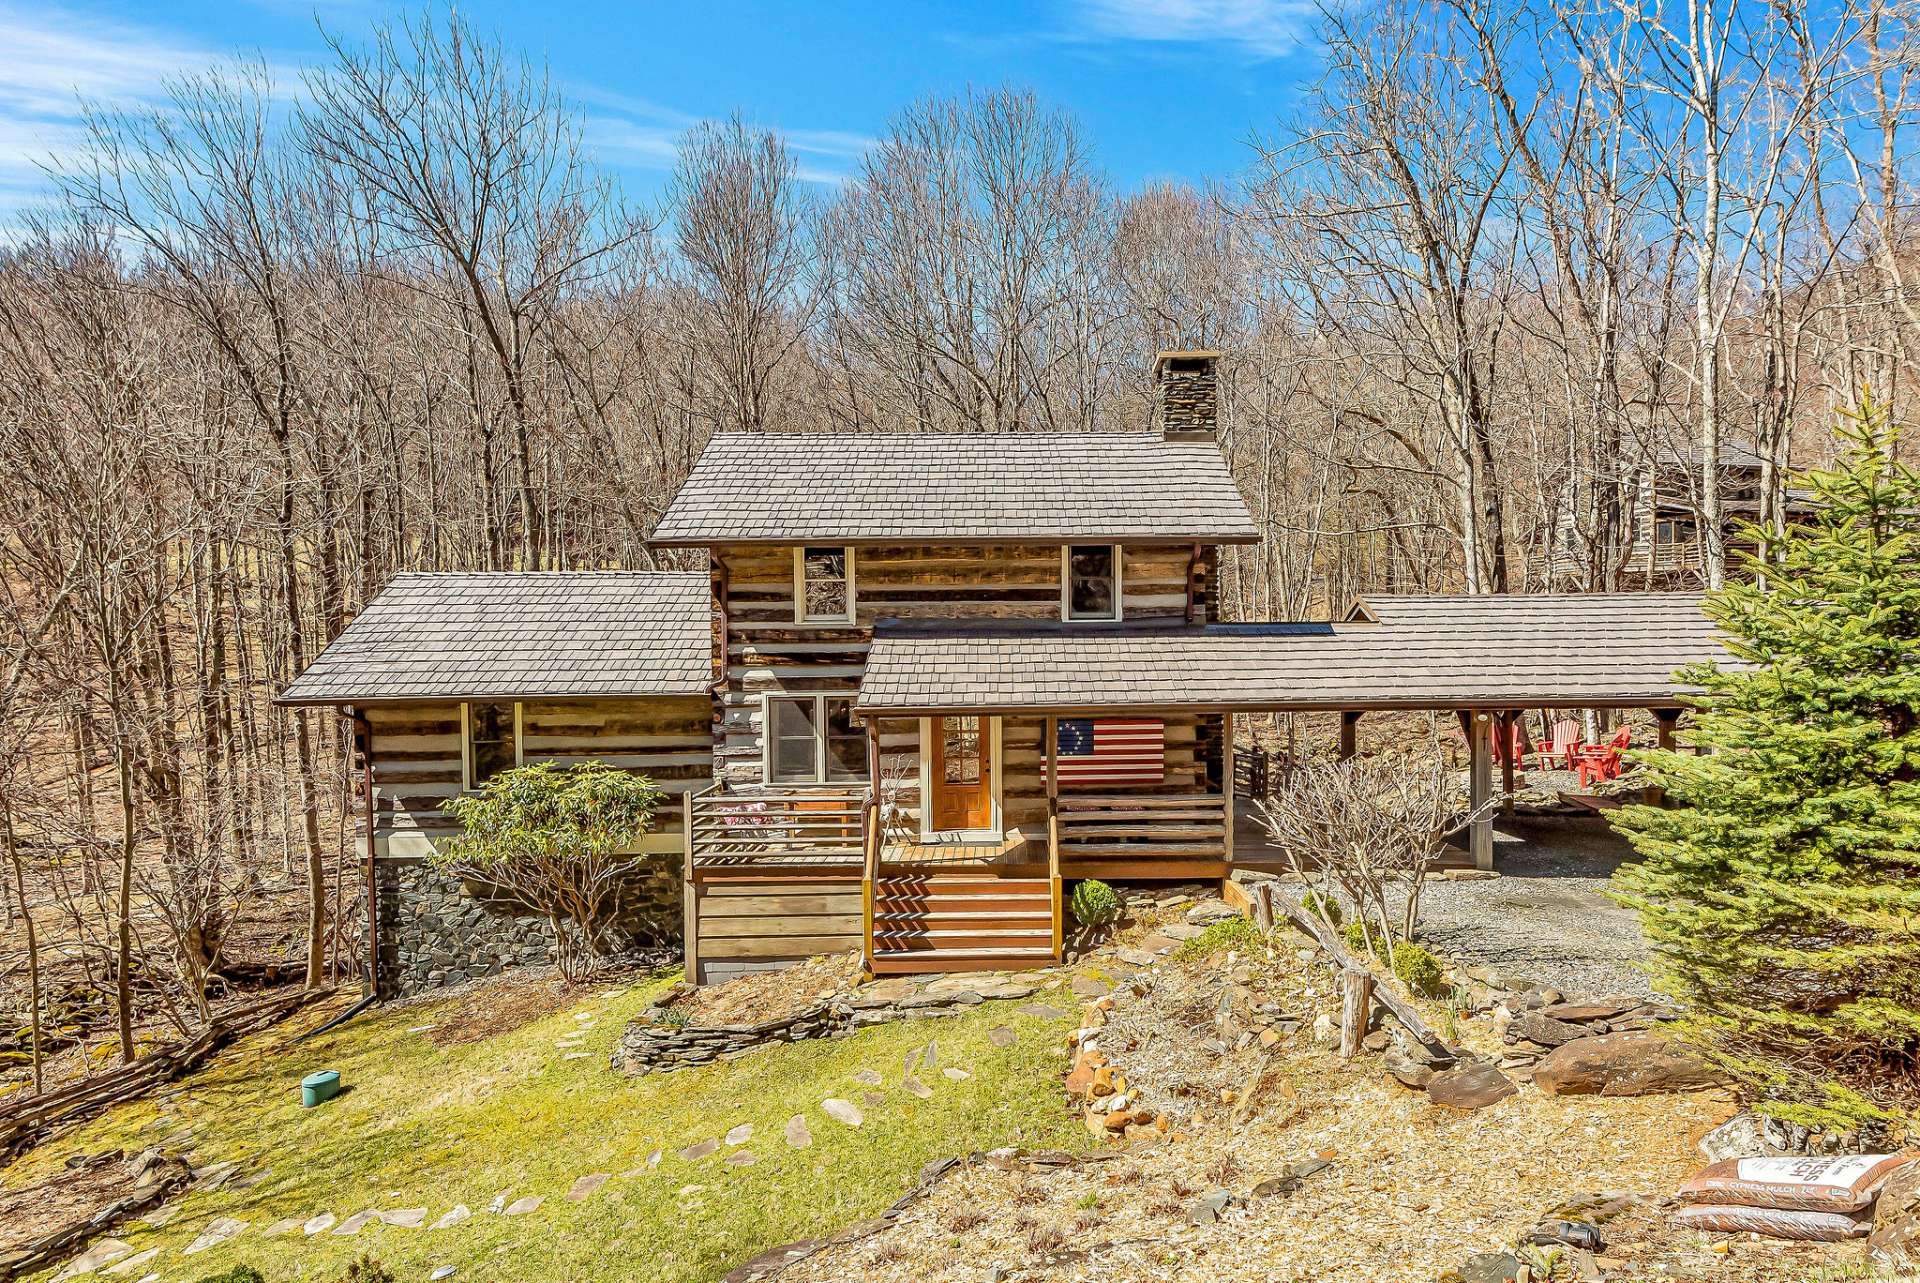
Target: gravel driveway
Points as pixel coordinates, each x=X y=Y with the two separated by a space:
x=1545 y=917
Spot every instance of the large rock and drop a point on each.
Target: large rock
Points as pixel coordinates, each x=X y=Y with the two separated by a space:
x=1490 y=1267
x=1538 y=1027
x=1592 y=1009
x=1411 y=1073
x=1751 y=1135
x=1640 y=1063
x=1896 y=1217
x=1473 y=1085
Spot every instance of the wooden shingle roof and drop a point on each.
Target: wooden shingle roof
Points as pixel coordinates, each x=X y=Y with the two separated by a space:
x=516 y=635
x=853 y=488
x=1615 y=650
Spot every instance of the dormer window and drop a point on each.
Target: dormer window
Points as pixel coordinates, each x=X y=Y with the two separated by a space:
x=1090 y=582
x=823 y=585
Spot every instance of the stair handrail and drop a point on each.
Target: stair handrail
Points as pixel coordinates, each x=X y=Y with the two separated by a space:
x=1053 y=875
x=869 y=873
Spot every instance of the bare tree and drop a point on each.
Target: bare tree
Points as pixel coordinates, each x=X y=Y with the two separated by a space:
x=742 y=227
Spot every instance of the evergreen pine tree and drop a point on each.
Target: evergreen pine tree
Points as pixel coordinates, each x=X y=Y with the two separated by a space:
x=1780 y=888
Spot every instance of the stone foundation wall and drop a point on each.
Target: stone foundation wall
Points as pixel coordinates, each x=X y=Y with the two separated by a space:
x=436 y=930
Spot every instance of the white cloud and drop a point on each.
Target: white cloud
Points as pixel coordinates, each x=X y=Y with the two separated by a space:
x=628 y=131
x=1266 y=28
x=54 y=59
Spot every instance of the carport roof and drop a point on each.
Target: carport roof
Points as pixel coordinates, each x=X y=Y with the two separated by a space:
x=1591 y=650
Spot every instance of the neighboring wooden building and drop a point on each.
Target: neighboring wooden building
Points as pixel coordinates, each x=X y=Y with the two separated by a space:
x=1662 y=549
x=927 y=681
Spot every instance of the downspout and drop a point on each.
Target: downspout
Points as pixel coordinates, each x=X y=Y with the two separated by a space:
x=363 y=741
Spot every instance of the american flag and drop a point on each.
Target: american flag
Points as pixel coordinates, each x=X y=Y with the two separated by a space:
x=1112 y=750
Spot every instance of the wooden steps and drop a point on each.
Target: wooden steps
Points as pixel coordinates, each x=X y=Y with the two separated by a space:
x=961 y=920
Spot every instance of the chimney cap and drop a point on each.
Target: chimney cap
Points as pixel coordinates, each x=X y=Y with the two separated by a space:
x=1162 y=358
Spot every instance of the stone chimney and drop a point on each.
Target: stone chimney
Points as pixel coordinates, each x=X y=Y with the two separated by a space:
x=1186 y=395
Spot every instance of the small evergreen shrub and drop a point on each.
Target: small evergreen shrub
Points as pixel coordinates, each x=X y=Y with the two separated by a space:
x=1228 y=933
x=1094 y=903
x=238 y=1274
x=1328 y=909
x=1419 y=970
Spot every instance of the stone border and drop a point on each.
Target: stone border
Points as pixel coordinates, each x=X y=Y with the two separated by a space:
x=652 y=1044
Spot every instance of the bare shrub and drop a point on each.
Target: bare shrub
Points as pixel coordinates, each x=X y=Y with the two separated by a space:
x=1367 y=831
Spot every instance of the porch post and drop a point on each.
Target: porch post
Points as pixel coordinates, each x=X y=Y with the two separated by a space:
x=1226 y=778
x=1349 y=733
x=1053 y=761
x=871 y=812
x=1480 y=787
x=690 y=893
x=1506 y=725
x=1664 y=720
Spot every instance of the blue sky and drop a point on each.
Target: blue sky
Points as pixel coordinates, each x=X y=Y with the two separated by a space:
x=1164 y=88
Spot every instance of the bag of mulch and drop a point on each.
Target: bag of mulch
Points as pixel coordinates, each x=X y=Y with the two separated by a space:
x=1775 y=1222
x=1841 y=1184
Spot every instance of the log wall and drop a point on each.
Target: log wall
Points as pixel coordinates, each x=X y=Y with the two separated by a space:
x=767 y=652
x=415 y=751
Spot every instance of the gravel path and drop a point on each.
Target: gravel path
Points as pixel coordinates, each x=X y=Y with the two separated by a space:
x=1546 y=916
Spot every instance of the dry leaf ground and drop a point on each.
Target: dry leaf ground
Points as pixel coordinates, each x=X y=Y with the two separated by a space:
x=1412 y=1188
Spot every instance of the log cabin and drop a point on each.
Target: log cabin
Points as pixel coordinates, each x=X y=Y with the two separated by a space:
x=925 y=682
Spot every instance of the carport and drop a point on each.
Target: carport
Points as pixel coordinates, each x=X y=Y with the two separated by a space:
x=1485 y=659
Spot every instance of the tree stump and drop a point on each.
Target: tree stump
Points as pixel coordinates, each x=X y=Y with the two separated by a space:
x=1356 y=999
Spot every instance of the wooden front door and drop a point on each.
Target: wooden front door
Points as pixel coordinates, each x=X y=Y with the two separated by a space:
x=962 y=774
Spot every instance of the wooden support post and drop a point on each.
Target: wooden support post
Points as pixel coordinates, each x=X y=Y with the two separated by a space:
x=690 y=902
x=1480 y=788
x=1226 y=780
x=873 y=766
x=1356 y=1001
x=1349 y=733
x=1507 y=724
x=1053 y=758
x=1263 y=906
x=1664 y=720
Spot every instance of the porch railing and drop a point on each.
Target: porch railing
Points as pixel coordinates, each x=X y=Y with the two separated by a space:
x=1142 y=826
x=778 y=826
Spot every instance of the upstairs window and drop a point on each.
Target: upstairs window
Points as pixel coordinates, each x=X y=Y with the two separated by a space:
x=823 y=585
x=493 y=741
x=812 y=739
x=1090 y=582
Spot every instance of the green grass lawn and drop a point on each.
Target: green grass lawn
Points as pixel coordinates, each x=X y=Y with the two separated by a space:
x=425 y=1125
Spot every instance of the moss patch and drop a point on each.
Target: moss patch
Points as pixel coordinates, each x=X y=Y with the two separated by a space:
x=427 y=1125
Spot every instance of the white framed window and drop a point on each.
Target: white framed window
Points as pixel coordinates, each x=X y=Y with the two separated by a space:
x=1090 y=582
x=823 y=588
x=812 y=739
x=490 y=738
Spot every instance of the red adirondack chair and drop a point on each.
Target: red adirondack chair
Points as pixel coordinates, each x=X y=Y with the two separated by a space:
x=1594 y=763
x=1516 y=748
x=1566 y=737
